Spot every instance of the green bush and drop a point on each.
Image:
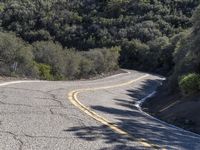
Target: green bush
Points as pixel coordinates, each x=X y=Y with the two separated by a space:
x=103 y=59
x=44 y=71
x=97 y=59
x=16 y=57
x=190 y=83
x=48 y=60
x=86 y=68
x=111 y=58
x=52 y=54
x=72 y=64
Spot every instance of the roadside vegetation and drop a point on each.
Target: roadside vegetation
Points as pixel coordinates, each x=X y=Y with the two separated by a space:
x=186 y=73
x=180 y=94
x=50 y=61
x=190 y=84
x=58 y=39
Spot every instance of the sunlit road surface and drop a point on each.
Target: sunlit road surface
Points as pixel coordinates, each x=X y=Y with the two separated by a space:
x=84 y=115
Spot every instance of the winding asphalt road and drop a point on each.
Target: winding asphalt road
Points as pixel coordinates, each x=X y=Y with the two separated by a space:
x=84 y=115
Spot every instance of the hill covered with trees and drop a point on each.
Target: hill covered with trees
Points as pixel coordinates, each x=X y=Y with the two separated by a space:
x=178 y=100
x=68 y=39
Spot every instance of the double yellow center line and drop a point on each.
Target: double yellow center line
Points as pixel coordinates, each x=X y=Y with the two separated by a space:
x=73 y=98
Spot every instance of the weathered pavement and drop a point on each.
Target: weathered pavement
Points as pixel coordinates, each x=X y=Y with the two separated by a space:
x=39 y=116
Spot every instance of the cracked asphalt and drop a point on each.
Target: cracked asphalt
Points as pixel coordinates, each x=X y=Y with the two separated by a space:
x=38 y=116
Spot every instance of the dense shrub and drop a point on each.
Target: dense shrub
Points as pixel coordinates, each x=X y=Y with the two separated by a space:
x=72 y=67
x=86 y=68
x=16 y=57
x=97 y=59
x=70 y=64
x=189 y=84
x=48 y=60
x=133 y=54
x=44 y=71
x=52 y=54
x=103 y=60
x=111 y=58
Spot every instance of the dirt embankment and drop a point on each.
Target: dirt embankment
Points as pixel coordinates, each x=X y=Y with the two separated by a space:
x=175 y=109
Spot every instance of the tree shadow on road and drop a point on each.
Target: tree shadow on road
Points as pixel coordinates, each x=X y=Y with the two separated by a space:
x=138 y=124
x=113 y=140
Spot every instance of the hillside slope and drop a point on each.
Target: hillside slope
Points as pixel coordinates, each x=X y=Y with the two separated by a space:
x=143 y=29
x=178 y=100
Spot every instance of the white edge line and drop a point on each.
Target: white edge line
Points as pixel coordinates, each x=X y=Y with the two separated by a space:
x=36 y=81
x=108 y=77
x=18 y=82
x=116 y=75
x=139 y=106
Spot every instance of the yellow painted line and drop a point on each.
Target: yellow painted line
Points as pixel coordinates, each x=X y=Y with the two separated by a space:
x=171 y=105
x=73 y=97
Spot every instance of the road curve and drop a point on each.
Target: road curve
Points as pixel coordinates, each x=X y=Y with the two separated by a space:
x=40 y=115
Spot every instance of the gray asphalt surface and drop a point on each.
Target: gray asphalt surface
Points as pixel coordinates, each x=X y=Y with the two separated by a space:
x=38 y=116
